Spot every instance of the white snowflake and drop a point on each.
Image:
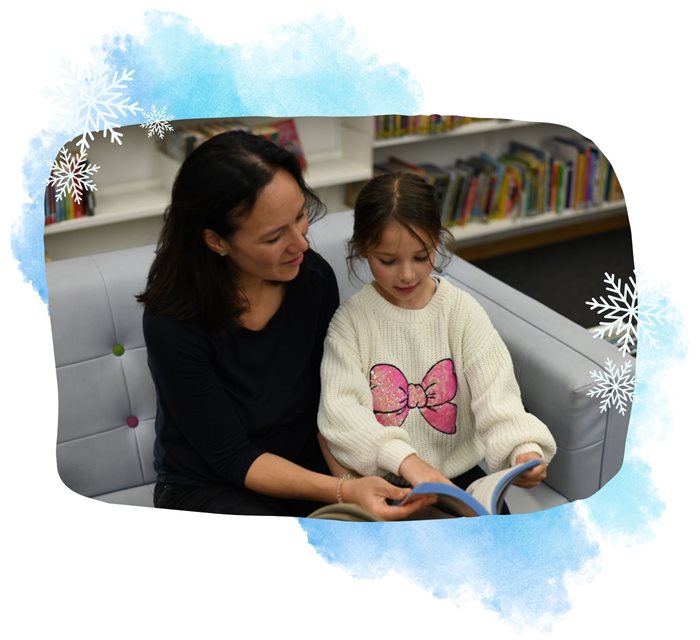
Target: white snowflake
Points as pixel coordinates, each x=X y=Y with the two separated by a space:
x=621 y=313
x=157 y=121
x=615 y=386
x=626 y=319
x=71 y=174
x=94 y=101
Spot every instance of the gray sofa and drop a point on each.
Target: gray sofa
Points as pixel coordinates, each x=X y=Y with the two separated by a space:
x=107 y=403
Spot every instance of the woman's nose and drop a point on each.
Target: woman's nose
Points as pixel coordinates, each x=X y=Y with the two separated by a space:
x=299 y=241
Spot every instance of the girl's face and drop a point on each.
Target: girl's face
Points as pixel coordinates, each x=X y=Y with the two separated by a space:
x=401 y=267
x=270 y=242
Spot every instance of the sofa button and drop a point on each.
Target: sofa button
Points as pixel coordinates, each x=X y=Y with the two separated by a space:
x=118 y=349
x=132 y=422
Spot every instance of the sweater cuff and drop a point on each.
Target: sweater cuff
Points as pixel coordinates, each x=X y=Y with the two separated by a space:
x=528 y=447
x=392 y=454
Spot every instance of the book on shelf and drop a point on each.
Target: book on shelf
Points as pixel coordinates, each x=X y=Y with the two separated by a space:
x=439 y=179
x=186 y=137
x=288 y=138
x=480 y=184
x=482 y=497
x=456 y=195
x=539 y=161
x=499 y=187
x=397 y=125
x=68 y=205
x=559 y=174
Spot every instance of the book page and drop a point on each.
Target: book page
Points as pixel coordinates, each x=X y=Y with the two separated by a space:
x=489 y=489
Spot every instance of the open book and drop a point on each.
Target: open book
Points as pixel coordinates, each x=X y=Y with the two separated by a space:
x=481 y=498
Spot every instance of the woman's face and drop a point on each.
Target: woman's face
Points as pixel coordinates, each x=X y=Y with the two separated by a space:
x=270 y=243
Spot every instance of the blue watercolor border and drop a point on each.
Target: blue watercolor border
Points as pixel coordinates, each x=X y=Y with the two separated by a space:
x=496 y=558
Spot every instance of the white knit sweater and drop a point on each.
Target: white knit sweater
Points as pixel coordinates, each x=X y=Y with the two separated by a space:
x=484 y=419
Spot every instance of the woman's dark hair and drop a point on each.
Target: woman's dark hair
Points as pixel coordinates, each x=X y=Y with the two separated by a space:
x=397 y=197
x=215 y=188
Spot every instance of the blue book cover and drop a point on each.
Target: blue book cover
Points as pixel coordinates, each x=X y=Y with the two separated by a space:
x=482 y=497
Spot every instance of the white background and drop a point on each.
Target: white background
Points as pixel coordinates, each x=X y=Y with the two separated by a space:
x=626 y=77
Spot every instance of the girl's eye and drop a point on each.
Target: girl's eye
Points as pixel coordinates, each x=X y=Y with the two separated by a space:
x=273 y=240
x=421 y=258
x=386 y=263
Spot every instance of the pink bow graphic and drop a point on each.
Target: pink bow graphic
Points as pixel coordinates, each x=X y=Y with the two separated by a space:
x=393 y=396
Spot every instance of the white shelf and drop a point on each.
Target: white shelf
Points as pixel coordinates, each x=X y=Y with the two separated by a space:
x=117 y=205
x=475 y=233
x=135 y=179
x=122 y=204
x=330 y=171
x=471 y=128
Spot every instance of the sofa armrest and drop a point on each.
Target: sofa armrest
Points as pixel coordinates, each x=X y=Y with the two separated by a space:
x=553 y=358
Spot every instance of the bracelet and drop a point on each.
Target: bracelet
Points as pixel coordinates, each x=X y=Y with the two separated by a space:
x=338 y=492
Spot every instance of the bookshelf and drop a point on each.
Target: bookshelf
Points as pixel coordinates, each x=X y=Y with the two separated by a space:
x=134 y=180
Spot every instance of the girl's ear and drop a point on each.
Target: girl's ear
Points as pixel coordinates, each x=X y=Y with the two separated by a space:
x=215 y=242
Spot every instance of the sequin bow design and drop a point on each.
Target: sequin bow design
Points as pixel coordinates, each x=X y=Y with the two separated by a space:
x=393 y=396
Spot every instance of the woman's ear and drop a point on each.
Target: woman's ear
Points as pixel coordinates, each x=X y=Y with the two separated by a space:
x=215 y=242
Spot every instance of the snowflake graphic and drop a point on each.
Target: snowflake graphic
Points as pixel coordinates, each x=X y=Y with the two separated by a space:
x=626 y=319
x=94 y=101
x=157 y=121
x=615 y=386
x=71 y=174
x=621 y=313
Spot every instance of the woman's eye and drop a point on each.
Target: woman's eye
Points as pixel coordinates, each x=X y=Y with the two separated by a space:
x=386 y=263
x=273 y=240
x=421 y=258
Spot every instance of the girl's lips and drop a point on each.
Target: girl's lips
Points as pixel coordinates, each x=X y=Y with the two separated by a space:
x=406 y=289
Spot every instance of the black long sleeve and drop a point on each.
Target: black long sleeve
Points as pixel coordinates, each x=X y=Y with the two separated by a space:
x=225 y=399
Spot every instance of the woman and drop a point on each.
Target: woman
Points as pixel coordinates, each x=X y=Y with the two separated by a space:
x=236 y=310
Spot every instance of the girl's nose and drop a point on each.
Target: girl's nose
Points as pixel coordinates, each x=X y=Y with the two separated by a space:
x=406 y=273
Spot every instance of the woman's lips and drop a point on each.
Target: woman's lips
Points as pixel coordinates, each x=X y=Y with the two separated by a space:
x=297 y=261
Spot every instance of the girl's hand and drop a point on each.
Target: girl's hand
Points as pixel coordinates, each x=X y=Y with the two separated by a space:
x=415 y=471
x=372 y=493
x=532 y=477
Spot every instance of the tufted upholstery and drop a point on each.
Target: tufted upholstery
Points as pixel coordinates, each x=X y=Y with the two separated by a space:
x=107 y=400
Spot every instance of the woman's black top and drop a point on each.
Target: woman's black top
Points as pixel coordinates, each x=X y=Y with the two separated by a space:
x=225 y=399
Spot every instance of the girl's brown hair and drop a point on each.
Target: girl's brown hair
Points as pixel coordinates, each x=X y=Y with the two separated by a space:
x=404 y=198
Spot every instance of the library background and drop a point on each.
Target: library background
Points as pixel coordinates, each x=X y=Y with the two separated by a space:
x=534 y=204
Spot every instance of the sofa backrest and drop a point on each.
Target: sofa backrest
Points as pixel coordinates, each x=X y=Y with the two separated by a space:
x=106 y=397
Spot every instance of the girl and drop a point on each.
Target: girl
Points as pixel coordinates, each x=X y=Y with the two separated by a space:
x=417 y=385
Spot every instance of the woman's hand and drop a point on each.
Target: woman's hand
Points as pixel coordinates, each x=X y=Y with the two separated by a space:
x=372 y=493
x=275 y=476
x=532 y=477
x=415 y=471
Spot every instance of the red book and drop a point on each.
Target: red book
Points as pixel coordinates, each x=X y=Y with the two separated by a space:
x=289 y=139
